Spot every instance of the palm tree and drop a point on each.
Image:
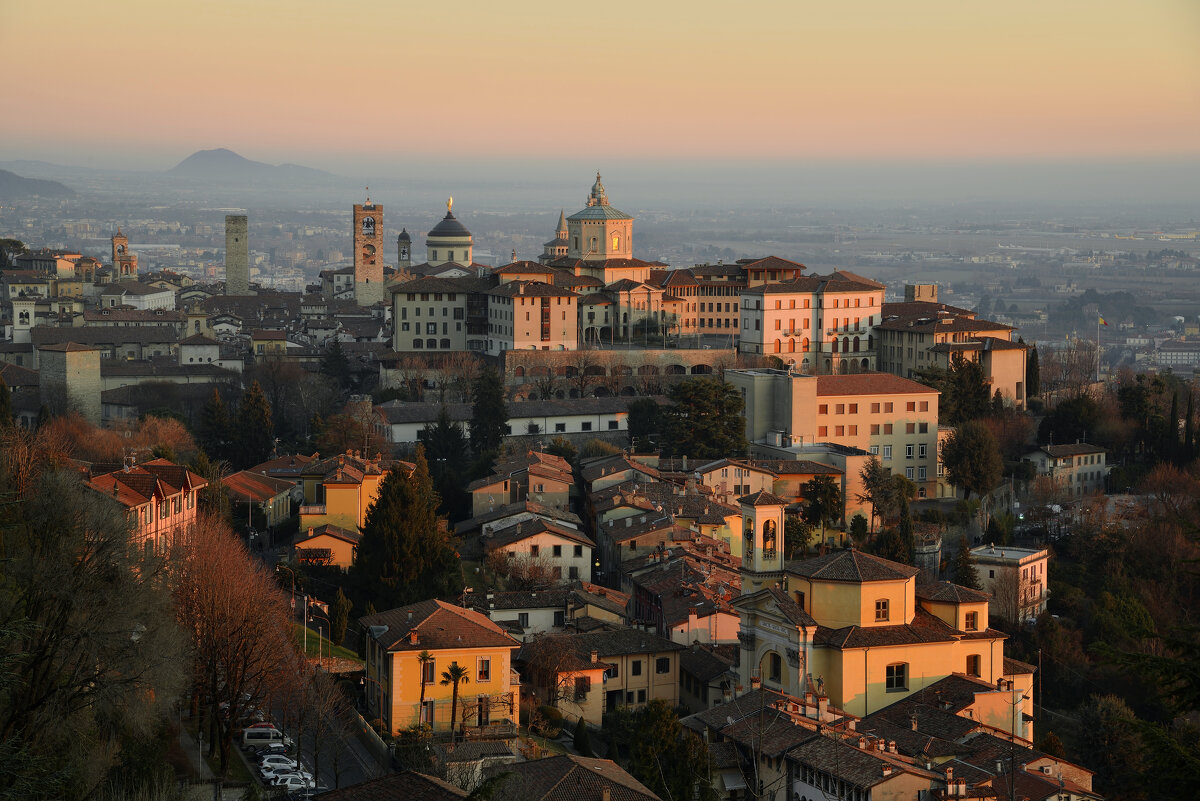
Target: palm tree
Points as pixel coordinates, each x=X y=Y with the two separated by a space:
x=424 y=658
x=454 y=674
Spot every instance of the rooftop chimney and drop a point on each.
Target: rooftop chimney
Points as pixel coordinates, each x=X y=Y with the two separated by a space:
x=412 y=637
x=595 y=655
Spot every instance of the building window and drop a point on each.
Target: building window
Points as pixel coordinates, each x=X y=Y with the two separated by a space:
x=557 y=551
x=429 y=671
x=635 y=667
x=613 y=425
x=583 y=684
x=922 y=451
x=887 y=451
x=523 y=619
x=910 y=428
x=908 y=473
x=573 y=572
x=427 y=712
x=776 y=674
x=560 y=428
x=560 y=618
x=881 y=610
x=533 y=550
x=897 y=677
x=485 y=668
x=662 y=665
x=578 y=551
x=908 y=451
x=972 y=623
x=587 y=426
x=973 y=665
x=641 y=696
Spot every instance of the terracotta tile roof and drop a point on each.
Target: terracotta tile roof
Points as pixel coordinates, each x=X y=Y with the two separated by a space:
x=762 y=498
x=617 y=642
x=721 y=715
x=247 y=485
x=851 y=565
x=1013 y=667
x=410 y=786
x=775 y=732
x=573 y=778
x=513 y=509
x=770 y=263
x=870 y=384
x=519 y=599
x=525 y=529
x=910 y=742
x=1077 y=449
x=438 y=625
x=857 y=766
x=703 y=664
x=329 y=530
x=948 y=592
x=797 y=467
x=925 y=628
x=137 y=485
x=531 y=289
x=790 y=609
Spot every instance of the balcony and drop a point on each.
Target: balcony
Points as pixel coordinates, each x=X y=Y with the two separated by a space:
x=313 y=509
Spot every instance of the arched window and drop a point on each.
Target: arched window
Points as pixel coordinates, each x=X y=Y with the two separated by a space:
x=778 y=346
x=856 y=343
x=431 y=344
x=769 y=533
x=416 y=344
x=445 y=344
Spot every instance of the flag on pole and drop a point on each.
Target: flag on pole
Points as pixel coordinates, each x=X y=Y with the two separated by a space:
x=1103 y=322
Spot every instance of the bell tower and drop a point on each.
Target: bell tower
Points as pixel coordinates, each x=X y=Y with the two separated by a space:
x=124 y=263
x=762 y=540
x=368 y=253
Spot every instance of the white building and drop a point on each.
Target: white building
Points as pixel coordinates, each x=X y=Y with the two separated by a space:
x=1015 y=578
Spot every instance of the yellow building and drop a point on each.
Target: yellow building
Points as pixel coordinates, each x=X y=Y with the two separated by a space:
x=893 y=418
x=338 y=490
x=448 y=634
x=858 y=629
x=326 y=545
x=586 y=675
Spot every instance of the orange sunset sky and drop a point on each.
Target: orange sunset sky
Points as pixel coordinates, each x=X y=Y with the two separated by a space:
x=317 y=82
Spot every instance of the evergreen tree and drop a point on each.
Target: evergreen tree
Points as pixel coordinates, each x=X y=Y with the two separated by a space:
x=644 y=421
x=858 y=529
x=339 y=617
x=489 y=413
x=823 y=501
x=905 y=529
x=889 y=544
x=405 y=553
x=1033 y=374
x=582 y=742
x=560 y=446
x=6 y=415
x=255 y=433
x=445 y=447
x=972 y=459
x=212 y=428
x=706 y=420
x=965 y=574
x=336 y=366
x=1171 y=447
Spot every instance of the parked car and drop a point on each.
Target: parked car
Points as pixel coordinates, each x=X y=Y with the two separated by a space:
x=295 y=782
x=277 y=760
x=281 y=776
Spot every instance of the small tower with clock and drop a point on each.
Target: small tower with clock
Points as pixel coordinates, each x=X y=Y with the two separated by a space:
x=762 y=543
x=368 y=253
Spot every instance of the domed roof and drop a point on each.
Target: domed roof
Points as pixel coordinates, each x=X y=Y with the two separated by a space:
x=449 y=227
x=404 y=237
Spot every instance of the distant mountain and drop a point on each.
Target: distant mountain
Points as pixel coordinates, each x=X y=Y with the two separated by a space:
x=14 y=187
x=223 y=164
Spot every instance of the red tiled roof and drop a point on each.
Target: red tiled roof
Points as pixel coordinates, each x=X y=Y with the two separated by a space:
x=870 y=384
x=438 y=625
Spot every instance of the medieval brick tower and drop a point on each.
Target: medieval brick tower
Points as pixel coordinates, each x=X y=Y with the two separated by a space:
x=237 y=255
x=368 y=253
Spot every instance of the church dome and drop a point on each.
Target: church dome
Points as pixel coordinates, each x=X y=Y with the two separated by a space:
x=404 y=237
x=449 y=227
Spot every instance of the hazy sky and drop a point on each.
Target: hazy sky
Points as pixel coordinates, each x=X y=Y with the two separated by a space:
x=337 y=85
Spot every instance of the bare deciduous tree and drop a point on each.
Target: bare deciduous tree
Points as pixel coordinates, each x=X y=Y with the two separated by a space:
x=242 y=643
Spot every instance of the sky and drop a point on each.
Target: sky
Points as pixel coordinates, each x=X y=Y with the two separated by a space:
x=345 y=85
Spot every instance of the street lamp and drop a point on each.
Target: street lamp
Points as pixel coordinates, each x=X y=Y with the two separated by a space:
x=292 y=574
x=329 y=628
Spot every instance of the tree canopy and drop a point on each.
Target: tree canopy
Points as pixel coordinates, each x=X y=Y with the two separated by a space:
x=972 y=459
x=405 y=554
x=489 y=413
x=964 y=390
x=706 y=421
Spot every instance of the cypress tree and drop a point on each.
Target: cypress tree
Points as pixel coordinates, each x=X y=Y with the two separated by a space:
x=405 y=554
x=1171 y=449
x=1033 y=374
x=582 y=741
x=965 y=574
x=489 y=413
x=255 y=432
x=905 y=530
x=339 y=617
x=212 y=429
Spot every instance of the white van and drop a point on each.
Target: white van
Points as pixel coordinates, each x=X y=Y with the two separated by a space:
x=262 y=736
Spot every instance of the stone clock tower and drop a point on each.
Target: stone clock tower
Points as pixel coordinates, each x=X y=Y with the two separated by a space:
x=368 y=253
x=124 y=263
